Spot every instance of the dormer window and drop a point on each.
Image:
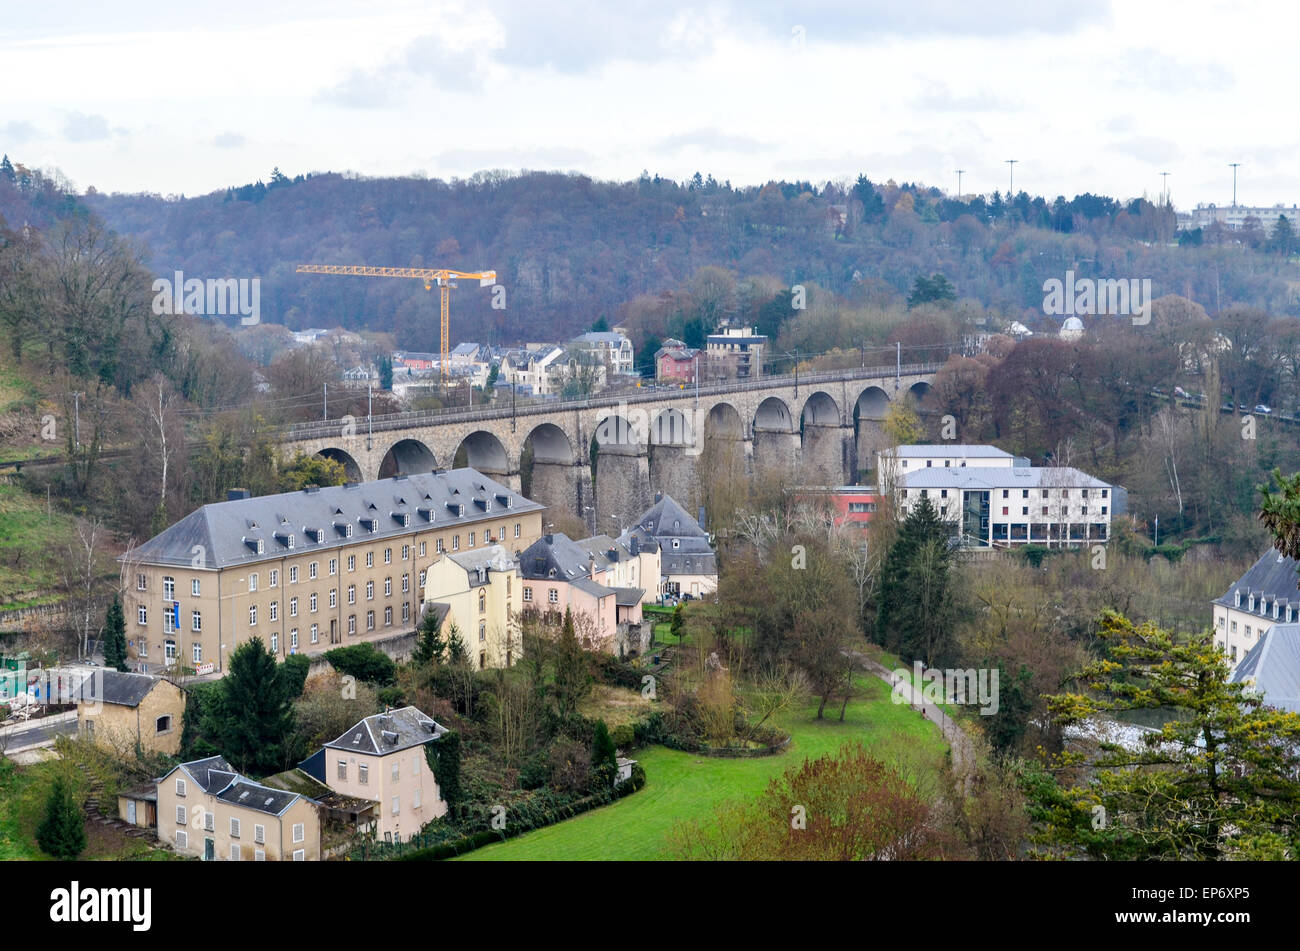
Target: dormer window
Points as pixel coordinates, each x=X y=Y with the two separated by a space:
x=402 y=518
x=1276 y=608
x=1237 y=599
x=1250 y=605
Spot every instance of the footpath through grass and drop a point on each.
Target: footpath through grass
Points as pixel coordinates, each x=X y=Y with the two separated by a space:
x=683 y=786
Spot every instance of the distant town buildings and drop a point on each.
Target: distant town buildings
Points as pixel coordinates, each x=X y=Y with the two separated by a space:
x=687 y=563
x=1233 y=217
x=675 y=362
x=735 y=353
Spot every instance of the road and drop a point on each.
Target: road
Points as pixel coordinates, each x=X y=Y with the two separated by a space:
x=37 y=732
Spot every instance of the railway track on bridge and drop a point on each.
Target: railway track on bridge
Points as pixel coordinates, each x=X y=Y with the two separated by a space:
x=391 y=421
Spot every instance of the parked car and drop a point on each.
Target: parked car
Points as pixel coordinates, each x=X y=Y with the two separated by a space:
x=1263 y=410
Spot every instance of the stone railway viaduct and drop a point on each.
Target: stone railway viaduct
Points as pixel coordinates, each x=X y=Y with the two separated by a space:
x=602 y=459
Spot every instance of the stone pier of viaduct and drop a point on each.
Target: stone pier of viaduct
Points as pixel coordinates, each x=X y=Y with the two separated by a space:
x=602 y=459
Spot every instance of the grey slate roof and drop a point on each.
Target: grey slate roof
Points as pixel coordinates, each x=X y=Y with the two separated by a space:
x=628 y=597
x=493 y=558
x=666 y=522
x=251 y=795
x=1272 y=667
x=223 y=534
x=1273 y=578
x=389 y=732
x=557 y=552
x=112 y=686
x=211 y=772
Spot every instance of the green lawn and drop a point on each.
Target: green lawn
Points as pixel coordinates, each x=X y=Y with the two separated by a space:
x=683 y=786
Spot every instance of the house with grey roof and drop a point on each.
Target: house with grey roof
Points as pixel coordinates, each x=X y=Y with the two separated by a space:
x=1267 y=594
x=687 y=562
x=206 y=809
x=386 y=758
x=1271 y=668
x=125 y=712
x=305 y=571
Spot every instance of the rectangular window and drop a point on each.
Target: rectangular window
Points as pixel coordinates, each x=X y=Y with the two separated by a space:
x=180 y=815
x=180 y=788
x=352 y=594
x=198 y=652
x=142 y=614
x=275 y=577
x=334 y=597
x=259 y=834
x=334 y=566
x=388 y=587
x=406 y=612
x=194 y=587
x=293 y=607
x=363 y=774
x=252 y=581
x=416 y=801
x=455 y=543
x=293 y=639
x=528 y=595
x=312 y=602
x=438 y=546
x=275 y=642
x=275 y=610
x=234 y=828
x=343 y=770
x=553 y=596
x=299 y=855
x=352 y=562
x=141 y=582
x=299 y=833
x=182 y=840
x=406 y=552
x=516 y=529
x=352 y=623
x=423 y=549
x=422 y=574
x=370 y=559
x=209 y=822
x=406 y=583
x=234 y=851
x=471 y=539
x=388 y=616
x=315 y=633
x=370 y=620
x=169 y=589
x=370 y=591
x=388 y=556
x=311 y=571
x=252 y=614
x=259 y=855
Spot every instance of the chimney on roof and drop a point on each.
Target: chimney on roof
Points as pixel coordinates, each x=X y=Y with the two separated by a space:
x=233 y=495
x=549 y=539
x=659 y=496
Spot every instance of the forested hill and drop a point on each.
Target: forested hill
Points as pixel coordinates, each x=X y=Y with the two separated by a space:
x=569 y=250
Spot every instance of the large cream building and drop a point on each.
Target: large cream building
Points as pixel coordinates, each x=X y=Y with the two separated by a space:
x=307 y=571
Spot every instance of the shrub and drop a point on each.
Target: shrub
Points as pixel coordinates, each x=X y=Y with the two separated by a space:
x=365 y=662
x=62 y=833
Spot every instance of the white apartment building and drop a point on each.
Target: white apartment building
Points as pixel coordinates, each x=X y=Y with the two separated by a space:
x=1006 y=506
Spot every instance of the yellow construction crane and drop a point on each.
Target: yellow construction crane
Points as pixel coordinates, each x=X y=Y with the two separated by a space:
x=444 y=278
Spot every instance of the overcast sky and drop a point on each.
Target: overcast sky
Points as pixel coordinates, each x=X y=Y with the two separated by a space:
x=170 y=97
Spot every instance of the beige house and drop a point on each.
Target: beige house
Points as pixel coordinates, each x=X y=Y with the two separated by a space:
x=207 y=810
x=382 y=759
x=122 y=711
x=1266 y=595
x=310 y=570
x=478 y=590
